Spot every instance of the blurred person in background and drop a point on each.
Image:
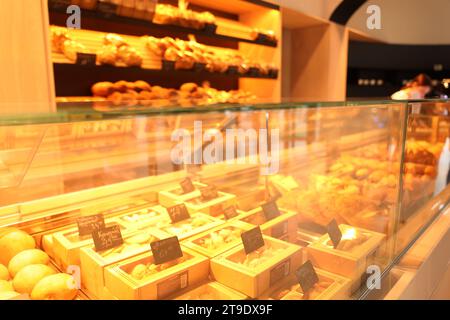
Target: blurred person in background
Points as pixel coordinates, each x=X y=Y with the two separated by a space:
x=421 y=87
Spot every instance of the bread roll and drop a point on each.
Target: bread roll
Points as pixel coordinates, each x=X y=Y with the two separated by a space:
x=102 y=89
x=4 y=274
x=29 y=276
x=25 y=258
x=6 y=286
x=59 y=286
x=5 y=231
x=13 y=243
x=6 y=295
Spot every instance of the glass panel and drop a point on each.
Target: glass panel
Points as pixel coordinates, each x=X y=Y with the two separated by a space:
x=425 y=168
x=380 y=170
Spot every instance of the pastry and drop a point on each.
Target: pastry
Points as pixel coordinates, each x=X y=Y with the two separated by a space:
x=4 y=274
x=25 y=258
x=6 y=286
x=102 y=89
x=59 y=286
x=8 y=295
x=29 y=276
x=13 y=243
x=142 y=271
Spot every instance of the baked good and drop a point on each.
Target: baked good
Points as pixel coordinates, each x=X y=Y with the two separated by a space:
x=29 y=276
x=6 y=286
x=7 y=295
x=107 y=55
x=59 y=286
x=14 y=242
x=142 y=271
x=25 y=258
x=4 y=274
x=102 y=89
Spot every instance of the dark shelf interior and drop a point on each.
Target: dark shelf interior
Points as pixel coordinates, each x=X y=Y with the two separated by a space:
x=76 y=80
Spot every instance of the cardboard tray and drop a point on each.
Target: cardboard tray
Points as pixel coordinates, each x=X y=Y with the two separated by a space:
x=255 y=281
x=158 y=286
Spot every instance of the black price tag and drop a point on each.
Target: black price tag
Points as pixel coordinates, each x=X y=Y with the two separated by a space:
x=86 y=59
x=166 y=250
x=107 y=238
x=230 y=212
x=187 y=185
x=334 y=232
x=274 y=194
x=209 y=193
x=270 y=210
x=178 y=213
x=88 y=224
x=307 y=276
x=252 y=240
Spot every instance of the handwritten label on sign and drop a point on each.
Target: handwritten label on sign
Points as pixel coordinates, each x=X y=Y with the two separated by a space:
x=334 y=233
x=86 y=59
x=252 y=240
x=178 y=213
x=166 y=250
x=270 y=210
x=209 y=193
x=187 y=186
x=107 y=238
x=87 y=224
x=306 y=276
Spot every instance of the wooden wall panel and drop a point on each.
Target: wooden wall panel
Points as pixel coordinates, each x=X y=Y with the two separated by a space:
x=319 y=63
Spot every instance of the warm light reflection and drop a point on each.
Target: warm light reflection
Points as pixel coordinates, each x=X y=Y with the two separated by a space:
x=349 y=234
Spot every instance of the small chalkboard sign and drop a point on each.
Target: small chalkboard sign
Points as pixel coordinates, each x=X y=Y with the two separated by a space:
x=187 y=186
x=178 y=213
x=252 y=240
x=87 y=224
x=107 y=238
x=166 y=250
x=270 y=210
x=230 y=212
x=334 y=233
x=209 y=193
x=86 y=59
x=274 y=194
x=306 y=276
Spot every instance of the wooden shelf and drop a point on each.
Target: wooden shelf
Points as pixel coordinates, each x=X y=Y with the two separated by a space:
x=94 y=20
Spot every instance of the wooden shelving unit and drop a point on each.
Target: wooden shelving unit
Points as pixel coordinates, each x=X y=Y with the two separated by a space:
x=235 y=21
x=91 y=19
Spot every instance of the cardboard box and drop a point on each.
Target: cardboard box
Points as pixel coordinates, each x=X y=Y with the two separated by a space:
x=211 y=290
x=289 y=289
x=352 y=263
x=174 y=194
x=255 y=280
x=183 y=229
x=67 y=244
x=121 y=284
x=93 y=263
x=199 y=242
x=155 y=216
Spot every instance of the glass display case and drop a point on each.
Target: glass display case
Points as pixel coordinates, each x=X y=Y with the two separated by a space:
x=374 y=173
